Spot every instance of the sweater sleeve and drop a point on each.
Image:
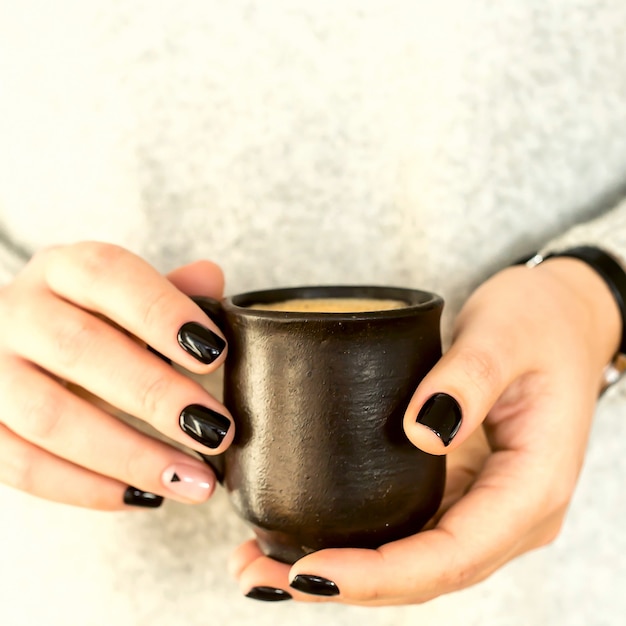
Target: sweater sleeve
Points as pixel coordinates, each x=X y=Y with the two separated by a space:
x=12 y=259
x=607 y=232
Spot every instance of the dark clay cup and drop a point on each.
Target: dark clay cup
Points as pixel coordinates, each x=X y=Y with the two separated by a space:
x=320 y=458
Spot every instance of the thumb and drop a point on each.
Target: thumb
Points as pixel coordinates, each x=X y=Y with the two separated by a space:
x=457 y=394
x=201 y=278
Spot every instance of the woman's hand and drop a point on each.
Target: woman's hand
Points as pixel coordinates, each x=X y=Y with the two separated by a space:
x=526 y=363
x=74 y=326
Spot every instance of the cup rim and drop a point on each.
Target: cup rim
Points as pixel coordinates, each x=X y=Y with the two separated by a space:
x=416 y=299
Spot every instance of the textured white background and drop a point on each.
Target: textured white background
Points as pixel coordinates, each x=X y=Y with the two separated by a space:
x=415 y=143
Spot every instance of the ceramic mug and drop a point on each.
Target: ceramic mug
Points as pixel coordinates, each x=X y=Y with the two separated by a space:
x=320 y=458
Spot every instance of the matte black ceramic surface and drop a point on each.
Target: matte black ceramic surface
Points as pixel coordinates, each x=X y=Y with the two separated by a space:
x=320 y=458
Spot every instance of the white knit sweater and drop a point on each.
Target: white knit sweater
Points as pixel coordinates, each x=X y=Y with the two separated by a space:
x=397 y=142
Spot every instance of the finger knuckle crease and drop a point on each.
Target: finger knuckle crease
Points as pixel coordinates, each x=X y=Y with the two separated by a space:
x=156 y=308
x=481 y=366
x=40 y=416
x=154 y=391
x=73 y=340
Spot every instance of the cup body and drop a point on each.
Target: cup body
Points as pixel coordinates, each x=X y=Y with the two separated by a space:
x=320 y=458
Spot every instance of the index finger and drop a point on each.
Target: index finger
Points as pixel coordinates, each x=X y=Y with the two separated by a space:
x=118 y=284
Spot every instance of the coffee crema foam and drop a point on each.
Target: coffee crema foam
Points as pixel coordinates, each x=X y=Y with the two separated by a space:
x=330 y=305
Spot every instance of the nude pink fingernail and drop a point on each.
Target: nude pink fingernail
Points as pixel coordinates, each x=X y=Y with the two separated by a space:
x=188 y=482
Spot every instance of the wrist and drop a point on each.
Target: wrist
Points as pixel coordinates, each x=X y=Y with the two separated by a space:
x=600 y=282
x=594 y=298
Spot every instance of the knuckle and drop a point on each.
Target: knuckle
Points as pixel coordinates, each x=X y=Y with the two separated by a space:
x=40 y=415
x=156 y=308
x=73 y=339
x=153 y=394
x=481 y=366
x=45 y=252
x=97 y=259
x=44 y=255
x=82 y=265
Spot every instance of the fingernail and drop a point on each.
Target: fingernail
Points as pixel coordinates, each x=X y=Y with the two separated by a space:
x=315 y=585
x=268 y=594
x=189 y=482
x=204 y=425
x=442 y=414
x=136 y=497
x=200 y=342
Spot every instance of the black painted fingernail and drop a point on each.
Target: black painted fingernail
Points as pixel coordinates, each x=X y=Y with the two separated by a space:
x=200 y=342
x=204 y=425
x=442 y=414
x=315 y=585
x=136 y=497
x=268 y=594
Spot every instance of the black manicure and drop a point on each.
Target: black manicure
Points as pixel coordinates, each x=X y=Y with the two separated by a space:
x=315 y=585
x=268 y=594
x=442 y=414
x=136 y=497
x=200 y=342
x=204 y=425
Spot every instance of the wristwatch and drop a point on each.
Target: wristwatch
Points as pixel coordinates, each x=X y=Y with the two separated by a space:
x=614 y=275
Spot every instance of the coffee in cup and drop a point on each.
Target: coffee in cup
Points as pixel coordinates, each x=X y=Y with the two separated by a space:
x=330 y=305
